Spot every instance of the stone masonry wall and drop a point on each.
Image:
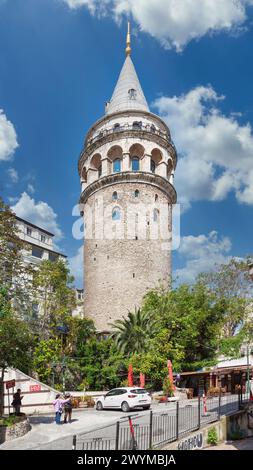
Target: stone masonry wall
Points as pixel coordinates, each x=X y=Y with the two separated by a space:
x=120 y=270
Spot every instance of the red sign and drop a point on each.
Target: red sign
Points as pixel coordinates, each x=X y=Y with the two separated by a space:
x=35 y=388
x=10 y=384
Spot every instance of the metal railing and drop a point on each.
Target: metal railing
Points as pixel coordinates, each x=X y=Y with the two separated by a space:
x=158 y=428
x=129 y=127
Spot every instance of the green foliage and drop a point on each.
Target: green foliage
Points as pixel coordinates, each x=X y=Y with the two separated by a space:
x=15 y=274
x=132 y=334
x=45 y=354
x=168 y=387
x=11 y=420
x=52 y=288
x=212 y=437
x=101 y=364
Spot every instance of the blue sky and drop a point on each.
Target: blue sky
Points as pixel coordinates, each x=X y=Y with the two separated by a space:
x=59 y=61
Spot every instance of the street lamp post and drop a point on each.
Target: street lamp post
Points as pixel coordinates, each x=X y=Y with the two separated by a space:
x=248 y=379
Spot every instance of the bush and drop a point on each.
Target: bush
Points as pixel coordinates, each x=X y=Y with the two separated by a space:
x=12 y=419
x=212 y=437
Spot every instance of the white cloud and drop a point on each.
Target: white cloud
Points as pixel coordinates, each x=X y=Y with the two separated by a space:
x=13 y=175
x=8 y=138
x=174 y=22
x=76 y=266
x=202 y=253
x=215 y=151
x=30 y=188
x=38 y=213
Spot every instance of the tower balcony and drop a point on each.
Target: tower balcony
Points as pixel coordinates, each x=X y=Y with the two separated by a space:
x=136 y=130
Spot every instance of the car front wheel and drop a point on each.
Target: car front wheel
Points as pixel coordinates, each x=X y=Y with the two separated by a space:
x=125 y=407
x=99 y=406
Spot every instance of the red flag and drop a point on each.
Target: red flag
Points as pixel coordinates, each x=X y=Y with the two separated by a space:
x=170 y=374
x=142 y=380
x=130 y=377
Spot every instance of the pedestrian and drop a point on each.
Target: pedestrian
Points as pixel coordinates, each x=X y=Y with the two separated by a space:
x=17 y=401
x=58 y=408
x=67 y=408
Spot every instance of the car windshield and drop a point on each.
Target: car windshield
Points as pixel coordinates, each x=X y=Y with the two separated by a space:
x=139 y=391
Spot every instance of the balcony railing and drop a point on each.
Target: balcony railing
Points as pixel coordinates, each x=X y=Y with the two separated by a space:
x=130 y=127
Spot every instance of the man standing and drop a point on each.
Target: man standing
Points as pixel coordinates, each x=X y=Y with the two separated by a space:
x=17 y=401
x=67 y=408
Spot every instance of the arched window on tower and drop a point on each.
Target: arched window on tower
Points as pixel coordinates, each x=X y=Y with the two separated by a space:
x=152 y=166
x=135 y=164
x=116 y=213
x=136 y=193
x=155 y=215
x=99 y=171
x=114 y=196
x=117 y=165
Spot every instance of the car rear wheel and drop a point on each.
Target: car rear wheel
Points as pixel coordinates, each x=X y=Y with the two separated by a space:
x=99 y=406
x=125 y=407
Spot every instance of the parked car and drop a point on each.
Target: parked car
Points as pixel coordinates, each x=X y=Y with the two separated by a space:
x=125 y=398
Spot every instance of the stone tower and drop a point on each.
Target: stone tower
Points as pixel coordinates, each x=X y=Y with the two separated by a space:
x=126 y=169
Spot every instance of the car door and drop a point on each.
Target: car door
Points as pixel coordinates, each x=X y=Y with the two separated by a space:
x=119 y=397
x=109 y=399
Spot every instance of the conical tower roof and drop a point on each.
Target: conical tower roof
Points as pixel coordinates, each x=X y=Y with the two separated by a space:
x=128 y=93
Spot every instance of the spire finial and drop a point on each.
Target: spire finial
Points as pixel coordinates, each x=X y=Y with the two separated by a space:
x=128 y=41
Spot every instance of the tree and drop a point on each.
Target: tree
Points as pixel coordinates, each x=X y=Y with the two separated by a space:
x=132 y=334
x=16 y=341
x=232 y=288
x=52 y=286
x=15 y=274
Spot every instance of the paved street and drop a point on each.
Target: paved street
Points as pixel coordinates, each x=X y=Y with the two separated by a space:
x=90 y=424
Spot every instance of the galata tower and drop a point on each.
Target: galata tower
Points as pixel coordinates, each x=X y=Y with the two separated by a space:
x=126 y=169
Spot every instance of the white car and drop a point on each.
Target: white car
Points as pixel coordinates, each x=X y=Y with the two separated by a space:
x=125 y=398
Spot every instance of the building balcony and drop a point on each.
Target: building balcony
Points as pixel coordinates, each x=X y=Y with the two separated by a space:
x=139 y=129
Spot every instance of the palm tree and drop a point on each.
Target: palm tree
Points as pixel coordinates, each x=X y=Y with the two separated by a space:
x=132 y=333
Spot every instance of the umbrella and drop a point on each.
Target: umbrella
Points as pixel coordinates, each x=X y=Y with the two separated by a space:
x=170 y=374
x=130 y=376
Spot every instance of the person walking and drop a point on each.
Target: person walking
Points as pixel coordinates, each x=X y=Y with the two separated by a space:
x=58 y=408
x=17 y=401
x=67 y=408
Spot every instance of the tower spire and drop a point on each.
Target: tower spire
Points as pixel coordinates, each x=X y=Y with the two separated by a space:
x=128 y=40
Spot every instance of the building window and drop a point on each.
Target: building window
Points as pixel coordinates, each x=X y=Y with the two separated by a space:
x=152 y=166
x=155 y=215
x=29 y=231
x=114 y=196
x=43 y=238
x=156 y=197
x=37 y=252
x=136 y=193
x=132 y=94
x=99 y=171
x=133 y=274
x=135 y=164
x=79 y=296
x=152 y=128
x=117 y=165
x=116 y=214
x=52 y=256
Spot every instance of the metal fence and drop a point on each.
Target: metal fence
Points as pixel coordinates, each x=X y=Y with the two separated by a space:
x=147 y=431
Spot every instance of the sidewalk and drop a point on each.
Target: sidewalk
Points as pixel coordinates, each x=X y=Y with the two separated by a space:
x=243 y=444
